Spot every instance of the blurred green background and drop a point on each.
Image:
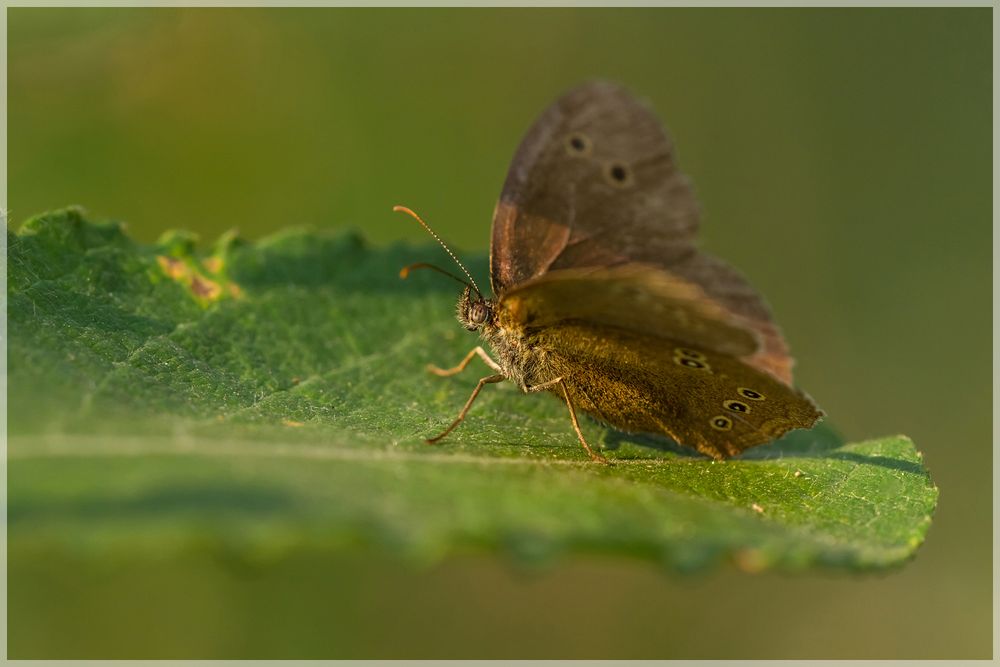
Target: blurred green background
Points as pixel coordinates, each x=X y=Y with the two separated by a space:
x=843 y=161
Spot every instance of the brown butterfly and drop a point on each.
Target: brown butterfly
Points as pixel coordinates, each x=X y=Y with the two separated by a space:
x=602 y=297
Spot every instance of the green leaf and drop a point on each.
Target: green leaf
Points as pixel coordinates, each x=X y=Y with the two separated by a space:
x=268 y=398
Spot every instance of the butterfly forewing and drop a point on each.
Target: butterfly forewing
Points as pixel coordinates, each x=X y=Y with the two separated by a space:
x=591 y=180
x=594 y=184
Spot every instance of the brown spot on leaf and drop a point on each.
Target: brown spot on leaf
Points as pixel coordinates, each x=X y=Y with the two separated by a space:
x=289 y=422
x=203 y=288
x=174 y=268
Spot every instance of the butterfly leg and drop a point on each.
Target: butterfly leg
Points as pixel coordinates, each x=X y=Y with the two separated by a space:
x=594 y=456
x=465 y=362
x=468 y=404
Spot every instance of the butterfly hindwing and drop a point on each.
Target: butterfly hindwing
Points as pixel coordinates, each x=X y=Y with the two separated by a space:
x=711 y=402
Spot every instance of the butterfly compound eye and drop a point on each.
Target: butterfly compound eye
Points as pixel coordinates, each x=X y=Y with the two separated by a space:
x=478 y=313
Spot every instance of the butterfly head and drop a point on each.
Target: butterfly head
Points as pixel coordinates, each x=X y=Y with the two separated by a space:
x=473 y=310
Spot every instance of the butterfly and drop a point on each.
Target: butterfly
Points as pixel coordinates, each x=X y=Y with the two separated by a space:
x=602 y=297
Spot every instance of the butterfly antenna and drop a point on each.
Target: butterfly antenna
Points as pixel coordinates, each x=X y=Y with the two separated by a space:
x=403 y=209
